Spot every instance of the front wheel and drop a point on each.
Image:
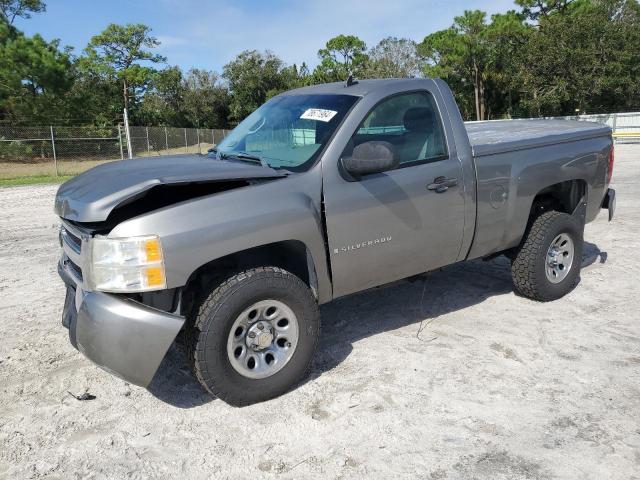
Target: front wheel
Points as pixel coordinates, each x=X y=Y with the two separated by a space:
x=254 y=335
x=547 y=264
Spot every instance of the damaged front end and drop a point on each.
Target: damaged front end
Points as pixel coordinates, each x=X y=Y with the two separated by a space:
x=151 y=183
x=125 y=325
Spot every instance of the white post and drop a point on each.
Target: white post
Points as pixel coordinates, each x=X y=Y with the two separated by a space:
x=53 y=147
x=198 y=136
x=128 y=133
x=166 y=140
x=213 y=137
x=120 y=140
x=186 y=145
x=148 y=148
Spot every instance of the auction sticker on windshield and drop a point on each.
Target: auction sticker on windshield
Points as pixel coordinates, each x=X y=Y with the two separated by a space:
x=318 y=114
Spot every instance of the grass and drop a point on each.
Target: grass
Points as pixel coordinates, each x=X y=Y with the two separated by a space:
x=23 y=173
x=33 y=180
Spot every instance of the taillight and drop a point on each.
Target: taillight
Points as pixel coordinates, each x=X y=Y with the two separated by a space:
x=610 y=167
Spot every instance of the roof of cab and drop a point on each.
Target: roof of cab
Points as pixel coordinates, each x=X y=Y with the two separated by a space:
x=361 y=88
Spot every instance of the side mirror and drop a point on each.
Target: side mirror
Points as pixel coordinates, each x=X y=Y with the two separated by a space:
x=371 y=157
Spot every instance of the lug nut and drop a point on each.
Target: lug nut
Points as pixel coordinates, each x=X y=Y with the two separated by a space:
x=288 y=344
x=252 y=335
x=260 y=326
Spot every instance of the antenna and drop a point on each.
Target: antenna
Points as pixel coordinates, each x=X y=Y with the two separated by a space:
x=350 y=81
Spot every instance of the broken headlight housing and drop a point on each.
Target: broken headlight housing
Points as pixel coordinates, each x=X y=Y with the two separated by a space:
x=125 y=265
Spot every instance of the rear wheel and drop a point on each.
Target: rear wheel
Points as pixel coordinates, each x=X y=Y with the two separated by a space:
x=254 y=335
x=547 y=264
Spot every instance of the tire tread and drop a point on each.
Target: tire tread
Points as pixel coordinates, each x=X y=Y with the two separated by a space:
x=196 y=339
x=523 y=267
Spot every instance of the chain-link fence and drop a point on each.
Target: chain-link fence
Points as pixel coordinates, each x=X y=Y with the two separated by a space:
x=64 y=151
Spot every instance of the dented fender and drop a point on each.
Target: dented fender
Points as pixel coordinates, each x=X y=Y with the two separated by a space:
x=201 y=230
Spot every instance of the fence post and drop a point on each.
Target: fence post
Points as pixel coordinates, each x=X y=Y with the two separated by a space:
x=615 y=121
x=148 y=148
x=120 y=140
x=198 y=137
x=213 y=137
x=53 y=148
x=126 y=129
x=166 y=140
x=186 y=145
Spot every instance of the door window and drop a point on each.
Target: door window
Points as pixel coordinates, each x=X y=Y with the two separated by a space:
x=410 y=123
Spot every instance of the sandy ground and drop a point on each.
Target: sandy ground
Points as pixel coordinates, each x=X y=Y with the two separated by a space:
x=454 y=377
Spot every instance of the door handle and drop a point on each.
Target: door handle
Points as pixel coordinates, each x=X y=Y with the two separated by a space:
x=442 y=184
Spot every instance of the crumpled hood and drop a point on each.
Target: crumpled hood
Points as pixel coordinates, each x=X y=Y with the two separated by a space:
x=92 y=195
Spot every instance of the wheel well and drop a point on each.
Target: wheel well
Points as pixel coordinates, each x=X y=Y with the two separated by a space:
x=562 y=197
x=291 y=255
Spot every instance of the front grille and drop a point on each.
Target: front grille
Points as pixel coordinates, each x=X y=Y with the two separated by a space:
x=71 y=239
x=75 y=269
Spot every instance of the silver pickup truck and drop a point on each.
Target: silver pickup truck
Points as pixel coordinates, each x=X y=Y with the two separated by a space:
x=322 y=192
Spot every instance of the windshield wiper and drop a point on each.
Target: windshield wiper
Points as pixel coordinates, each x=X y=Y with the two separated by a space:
x=245 y=156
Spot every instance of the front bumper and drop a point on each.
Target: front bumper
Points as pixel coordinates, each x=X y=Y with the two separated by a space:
x=122 y=336
x=609 y=202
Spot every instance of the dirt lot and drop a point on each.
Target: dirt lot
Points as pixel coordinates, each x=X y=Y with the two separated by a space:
x=454 y=377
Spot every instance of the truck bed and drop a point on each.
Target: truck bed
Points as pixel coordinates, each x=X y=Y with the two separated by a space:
x=499 y=136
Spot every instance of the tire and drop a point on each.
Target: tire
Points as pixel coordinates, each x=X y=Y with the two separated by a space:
x=214 y=362
x=531 y=269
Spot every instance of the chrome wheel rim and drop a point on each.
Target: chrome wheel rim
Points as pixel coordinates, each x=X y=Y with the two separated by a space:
x=262 y=339
x=559 y=258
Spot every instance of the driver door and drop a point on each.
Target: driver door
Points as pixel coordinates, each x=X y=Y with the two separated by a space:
x=391 y=225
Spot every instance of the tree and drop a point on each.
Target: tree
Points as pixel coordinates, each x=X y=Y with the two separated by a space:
x=163 y=101
x=584 y=57
x=35 y=76
x=534 y=9
x=10 y=9
x=507 y=35
x=206 y=99
x=394 y=58
x=461 y=51
x=117 y=53
x=343 y=55
x=253 y=77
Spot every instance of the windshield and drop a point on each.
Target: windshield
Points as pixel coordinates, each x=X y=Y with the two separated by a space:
x=288 y=131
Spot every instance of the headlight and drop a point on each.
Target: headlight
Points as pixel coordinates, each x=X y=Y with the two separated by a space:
x=127 y=264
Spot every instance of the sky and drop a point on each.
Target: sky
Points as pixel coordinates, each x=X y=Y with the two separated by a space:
x=209 y=33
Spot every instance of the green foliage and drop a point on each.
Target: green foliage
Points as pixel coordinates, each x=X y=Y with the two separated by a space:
x=584 y=58
x=116 y=54
x=394 y=58
x=462 y=55
x=11 y=9
x=551 y=58
x=34 y=74
x=343 y=55
x=534 y=9
x=547 y=57
x=206 y=99
x=254 y=77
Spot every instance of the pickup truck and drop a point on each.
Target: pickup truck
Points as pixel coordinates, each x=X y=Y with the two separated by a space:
x=322 y=192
